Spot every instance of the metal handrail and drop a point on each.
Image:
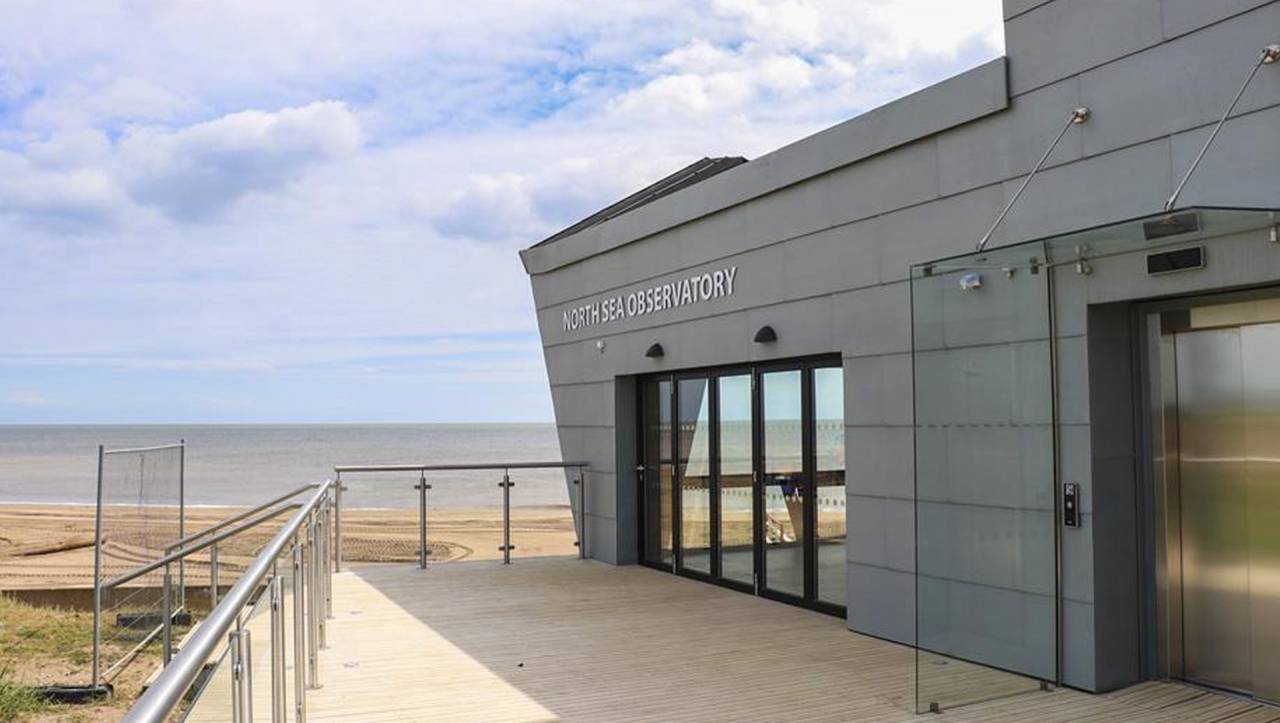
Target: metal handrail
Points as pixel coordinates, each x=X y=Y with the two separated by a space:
x=166 y=693
x=454 y=467
x=153 y=448
x=240 y=516
x=173 y=557
x=580 y=520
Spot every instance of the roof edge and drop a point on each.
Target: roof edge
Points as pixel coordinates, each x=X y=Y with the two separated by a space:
x=962 y=98
x=696 y=172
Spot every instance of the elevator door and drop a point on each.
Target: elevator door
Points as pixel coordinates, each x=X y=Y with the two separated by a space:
x=1228 y=400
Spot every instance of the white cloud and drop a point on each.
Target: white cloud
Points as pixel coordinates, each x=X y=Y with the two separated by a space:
x=64 y=197
x=199 y=170
x=261 y=188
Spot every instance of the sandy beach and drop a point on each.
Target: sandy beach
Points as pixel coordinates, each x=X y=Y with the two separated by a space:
x=51 y=546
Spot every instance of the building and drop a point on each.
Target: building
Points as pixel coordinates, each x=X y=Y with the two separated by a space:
x=1055 y=457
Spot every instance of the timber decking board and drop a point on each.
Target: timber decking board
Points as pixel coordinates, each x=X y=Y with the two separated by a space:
x=564 y=639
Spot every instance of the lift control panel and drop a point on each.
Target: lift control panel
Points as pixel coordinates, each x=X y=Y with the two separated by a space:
x=1071 y=504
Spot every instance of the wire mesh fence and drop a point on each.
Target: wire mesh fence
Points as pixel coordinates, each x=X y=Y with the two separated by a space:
x=140 y=516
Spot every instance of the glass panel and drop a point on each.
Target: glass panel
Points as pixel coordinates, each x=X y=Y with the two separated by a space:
x=828 y=439
x=544 y=504
x=985 y=477
x=985 y=526
x=657 y=471
x=464 y=516
x=783 y=482
x=737 y=560
x=695 y=474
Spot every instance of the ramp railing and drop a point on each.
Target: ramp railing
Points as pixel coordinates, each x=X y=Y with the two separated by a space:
x=245 y=638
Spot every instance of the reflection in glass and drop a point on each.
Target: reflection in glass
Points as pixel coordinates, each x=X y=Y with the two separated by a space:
x=783 y=482
x=828 y=439
x=736 y=522
x=695 y=474
x=984 y=443
x=657 y=471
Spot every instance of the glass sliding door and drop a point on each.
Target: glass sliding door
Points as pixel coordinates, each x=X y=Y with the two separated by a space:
x=783 y=488
x=656 y=472
x=828 y=443
x=693 y=412
x=743 y=478
x=735 y=426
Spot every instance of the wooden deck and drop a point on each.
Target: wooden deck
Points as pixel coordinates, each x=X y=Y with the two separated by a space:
x=562 y=639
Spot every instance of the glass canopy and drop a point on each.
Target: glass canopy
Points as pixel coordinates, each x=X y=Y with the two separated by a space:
x=986 y=460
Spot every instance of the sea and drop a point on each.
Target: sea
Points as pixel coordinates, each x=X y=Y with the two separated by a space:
x=246 y=464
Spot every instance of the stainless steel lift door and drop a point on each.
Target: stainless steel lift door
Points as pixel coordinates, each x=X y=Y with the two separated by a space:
x=1228 y=385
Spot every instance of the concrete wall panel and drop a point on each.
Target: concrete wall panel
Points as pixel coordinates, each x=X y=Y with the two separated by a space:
x=823 y=233
x=1066 y=37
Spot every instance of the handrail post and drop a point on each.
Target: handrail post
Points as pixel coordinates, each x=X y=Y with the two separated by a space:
x=308 y=608
x=299 y=638
x=337 y=523
x=166 y=594
x=326 y=566
x=278 y=710
x=237 y=675
x=582 y=514
x=314 y=613
x=246 y=679
x=506 y=516
x=422 y=519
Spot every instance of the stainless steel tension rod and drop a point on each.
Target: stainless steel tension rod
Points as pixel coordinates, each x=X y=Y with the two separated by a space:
x=1078 y=117
x=1268 y=56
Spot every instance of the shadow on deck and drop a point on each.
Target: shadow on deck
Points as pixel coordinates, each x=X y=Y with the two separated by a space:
x=564 y=639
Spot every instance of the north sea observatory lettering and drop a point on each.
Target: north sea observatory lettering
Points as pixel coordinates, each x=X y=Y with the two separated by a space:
x=681 y=292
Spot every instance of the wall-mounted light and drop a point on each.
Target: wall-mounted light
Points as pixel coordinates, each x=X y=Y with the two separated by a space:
x=969 y=282
x=766 y=335
x=600 y=345
x=655 y=351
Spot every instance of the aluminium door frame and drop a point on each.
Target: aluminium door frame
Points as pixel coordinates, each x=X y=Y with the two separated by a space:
x=712 y=374
x=641 y=478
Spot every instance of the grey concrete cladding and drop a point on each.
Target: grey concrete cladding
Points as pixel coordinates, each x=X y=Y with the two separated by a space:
x=823 y=233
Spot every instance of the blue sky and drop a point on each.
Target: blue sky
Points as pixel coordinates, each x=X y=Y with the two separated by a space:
x=244 y=211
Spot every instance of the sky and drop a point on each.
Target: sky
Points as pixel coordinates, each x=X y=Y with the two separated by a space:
x=246 y=211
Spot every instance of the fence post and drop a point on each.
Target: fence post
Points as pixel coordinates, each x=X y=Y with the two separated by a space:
x=182 y=522
x=167 y=609
x=213 y=576
x=97 y=577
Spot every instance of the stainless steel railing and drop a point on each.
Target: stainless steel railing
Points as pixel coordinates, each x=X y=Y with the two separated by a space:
x=304 y=541
x=311 y=546
x=579 y=483
x=177 y=553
